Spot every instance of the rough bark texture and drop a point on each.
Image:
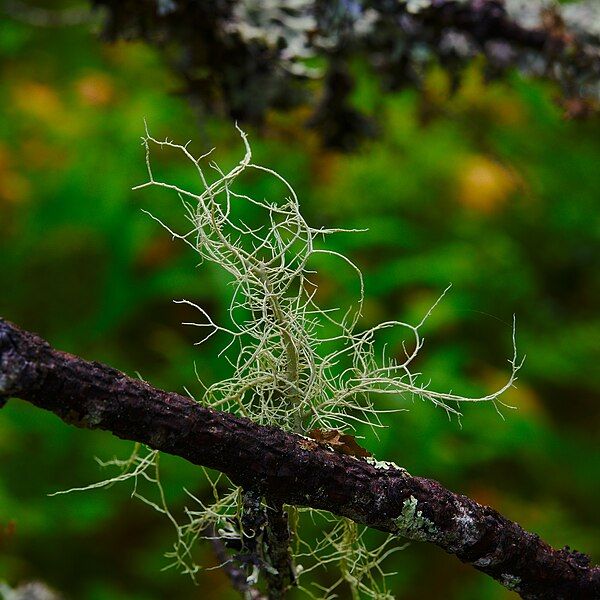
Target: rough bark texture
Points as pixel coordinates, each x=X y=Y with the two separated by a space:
x=277 y=544
x=236 y=574
x=290 y=469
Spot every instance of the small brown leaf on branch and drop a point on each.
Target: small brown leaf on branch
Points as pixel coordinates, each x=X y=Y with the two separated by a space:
x=340 y=442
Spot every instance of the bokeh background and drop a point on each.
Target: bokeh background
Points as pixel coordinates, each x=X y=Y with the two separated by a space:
x=488 y=188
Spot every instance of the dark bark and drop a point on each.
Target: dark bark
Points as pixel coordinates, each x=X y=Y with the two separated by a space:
x=236 y=575
x=266 y=542
x=277 y=549
x=290 y=469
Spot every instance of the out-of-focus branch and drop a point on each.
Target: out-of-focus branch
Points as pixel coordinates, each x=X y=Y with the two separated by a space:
x=290 y=469
x=244 y=58
x=39 y=16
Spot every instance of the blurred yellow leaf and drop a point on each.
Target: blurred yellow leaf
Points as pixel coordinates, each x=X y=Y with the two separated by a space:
x=39 y=154
x=14 y=187
x=38 y=100
x=491 y=100
x=95 y=89
x=485 y=494
x=373 y=311
x=508 y=111
x=484 y=185
x=324 y=166
x=522 y=397
x=156 y=254
x=437 y=86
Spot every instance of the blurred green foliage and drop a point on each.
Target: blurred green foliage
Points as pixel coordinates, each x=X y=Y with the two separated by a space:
x=486 y=187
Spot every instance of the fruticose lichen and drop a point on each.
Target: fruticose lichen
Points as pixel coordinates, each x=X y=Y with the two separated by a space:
x=294 y=364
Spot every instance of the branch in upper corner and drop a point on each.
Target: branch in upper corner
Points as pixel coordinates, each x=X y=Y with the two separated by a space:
x=244 y=59
x=291 y=469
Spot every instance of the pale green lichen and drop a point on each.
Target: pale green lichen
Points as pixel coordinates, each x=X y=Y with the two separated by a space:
x=384 y=465
x=293 y=364
x=413 y=525
x=511 y=582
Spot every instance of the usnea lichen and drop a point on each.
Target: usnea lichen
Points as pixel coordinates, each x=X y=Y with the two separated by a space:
x=293 y=364
x=289 y=370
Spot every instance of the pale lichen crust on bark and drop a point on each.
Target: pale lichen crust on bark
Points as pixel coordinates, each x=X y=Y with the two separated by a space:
x=511 y=582
x=412 y=525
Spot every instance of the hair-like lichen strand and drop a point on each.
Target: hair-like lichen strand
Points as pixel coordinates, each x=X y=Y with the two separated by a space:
x=294 y=364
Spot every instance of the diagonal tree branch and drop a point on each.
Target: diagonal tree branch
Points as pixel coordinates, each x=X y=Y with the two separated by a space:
x=290 y=469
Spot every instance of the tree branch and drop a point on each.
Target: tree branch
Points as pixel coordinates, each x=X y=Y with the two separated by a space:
x=289 y=468
x=243 y=61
